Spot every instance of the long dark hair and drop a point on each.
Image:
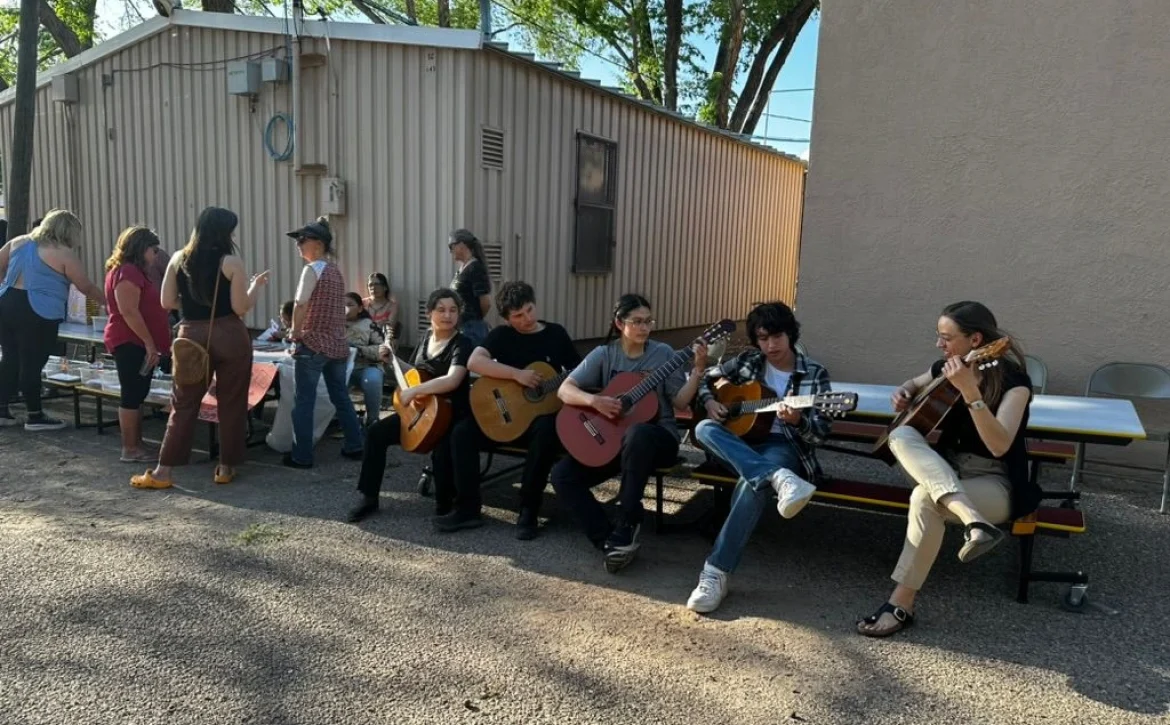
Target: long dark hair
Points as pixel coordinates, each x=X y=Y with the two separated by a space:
x=211 y=241
x=971 y=317
x=464 y=236
x=626 y=304
x=357 y=299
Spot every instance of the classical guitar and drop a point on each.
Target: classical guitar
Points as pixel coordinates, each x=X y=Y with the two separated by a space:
x=595 y=440
x=928 y=408
x=751 y=407
x=504 y=409
x=425 y=420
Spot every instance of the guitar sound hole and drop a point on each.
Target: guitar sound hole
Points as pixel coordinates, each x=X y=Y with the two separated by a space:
x=532 y=395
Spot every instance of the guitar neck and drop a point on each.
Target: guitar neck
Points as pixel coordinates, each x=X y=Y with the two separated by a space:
x=747 y=407
x=552 y=384
x=656 y=378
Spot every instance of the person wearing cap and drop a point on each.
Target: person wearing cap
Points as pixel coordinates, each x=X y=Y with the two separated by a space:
x=319 y=335
x=473 y=284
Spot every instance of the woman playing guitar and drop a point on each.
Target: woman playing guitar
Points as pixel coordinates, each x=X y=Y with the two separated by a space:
x=978 y=476
x=442 y=355
x=645 y=446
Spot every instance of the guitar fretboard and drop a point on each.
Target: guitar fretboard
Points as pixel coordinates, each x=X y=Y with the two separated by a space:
x=746 y=407
x=552 y=384
x=656 y=378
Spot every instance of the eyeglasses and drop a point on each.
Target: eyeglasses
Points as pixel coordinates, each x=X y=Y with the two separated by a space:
x=640 y=321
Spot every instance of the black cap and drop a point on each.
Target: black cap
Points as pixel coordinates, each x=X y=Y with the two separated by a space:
x=316 y=230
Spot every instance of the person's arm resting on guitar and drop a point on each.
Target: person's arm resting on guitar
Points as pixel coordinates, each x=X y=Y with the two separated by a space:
x=588 y=374
x=999 y=429
x=481 y=363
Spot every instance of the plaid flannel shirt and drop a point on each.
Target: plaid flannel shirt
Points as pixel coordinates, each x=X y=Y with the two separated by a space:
x=808 y=375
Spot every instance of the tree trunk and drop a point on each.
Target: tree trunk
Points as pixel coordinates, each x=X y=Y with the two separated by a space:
x=761 y=101
x=68 y=41
x=411 y=11
x=219 y=6
x=732 y=46
x=444 y=13
x=751 y=86
x=23 y=121
x=674 y=27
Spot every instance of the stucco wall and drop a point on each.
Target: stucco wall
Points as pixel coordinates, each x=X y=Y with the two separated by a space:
x=1014 y=153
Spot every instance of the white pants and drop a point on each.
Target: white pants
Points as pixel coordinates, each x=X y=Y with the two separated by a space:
x=982 y=480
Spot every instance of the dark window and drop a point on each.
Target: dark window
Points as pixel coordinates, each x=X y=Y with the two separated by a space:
x=594 y=241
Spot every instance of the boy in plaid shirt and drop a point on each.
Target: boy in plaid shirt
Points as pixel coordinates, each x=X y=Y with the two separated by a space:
x=784 y=463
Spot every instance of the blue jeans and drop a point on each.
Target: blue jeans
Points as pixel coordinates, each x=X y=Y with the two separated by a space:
x=475 y=330
x=310 y=366
x=754 y=464
x=370 y=380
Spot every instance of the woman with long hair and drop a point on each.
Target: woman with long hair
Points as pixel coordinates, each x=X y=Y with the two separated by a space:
x=207 y=283
x=645 y=446
x=978 y=474
x=366 y=338
x=442 y=354
x=319 y=334
x=138 y=333
x=382 y=305
x=37 y=270
x=472 y=282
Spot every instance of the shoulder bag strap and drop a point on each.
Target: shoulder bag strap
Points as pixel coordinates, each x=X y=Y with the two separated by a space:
x=211 y=324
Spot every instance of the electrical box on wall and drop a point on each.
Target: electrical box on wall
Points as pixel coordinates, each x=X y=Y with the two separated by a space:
x=274 y=70
x=243 y=78
x=65 y=89
x=332 y=196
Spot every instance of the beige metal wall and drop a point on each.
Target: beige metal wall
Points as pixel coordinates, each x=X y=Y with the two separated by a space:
x=1013 y=153
x=166 y=139
x=705 y=225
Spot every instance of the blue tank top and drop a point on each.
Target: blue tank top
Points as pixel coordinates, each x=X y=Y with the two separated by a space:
x=48 y=289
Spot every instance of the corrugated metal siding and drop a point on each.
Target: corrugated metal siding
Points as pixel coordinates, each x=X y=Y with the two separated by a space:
x=394 y=131
x=705 y=225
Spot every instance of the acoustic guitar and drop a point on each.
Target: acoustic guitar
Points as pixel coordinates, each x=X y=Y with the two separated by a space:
x=505 y=409
x=752 y=407
x=931 y=405
x=594 y=440
x=423 y=422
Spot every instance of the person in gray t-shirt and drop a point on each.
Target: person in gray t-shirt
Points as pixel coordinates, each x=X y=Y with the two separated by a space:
x=645 y=446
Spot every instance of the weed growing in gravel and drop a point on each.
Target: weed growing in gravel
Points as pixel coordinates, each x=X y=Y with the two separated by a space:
x=261 y=533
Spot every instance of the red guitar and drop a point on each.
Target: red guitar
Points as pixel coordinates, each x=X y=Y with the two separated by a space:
x=594 y=440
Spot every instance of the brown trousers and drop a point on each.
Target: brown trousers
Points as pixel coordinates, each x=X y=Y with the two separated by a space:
x=231 y=362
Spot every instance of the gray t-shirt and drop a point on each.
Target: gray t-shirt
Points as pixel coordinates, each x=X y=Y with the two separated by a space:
x=606 y=361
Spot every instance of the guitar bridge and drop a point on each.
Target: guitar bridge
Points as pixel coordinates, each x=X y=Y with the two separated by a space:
x=591 y=429
x=502 y=406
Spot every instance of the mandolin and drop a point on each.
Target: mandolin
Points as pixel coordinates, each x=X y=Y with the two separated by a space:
x=751 y=407
x=423 y=422
x=595 y=440
x=505 y=409
x=928 y=408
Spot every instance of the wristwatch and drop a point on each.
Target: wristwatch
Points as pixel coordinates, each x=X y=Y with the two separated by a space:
x=977 y=405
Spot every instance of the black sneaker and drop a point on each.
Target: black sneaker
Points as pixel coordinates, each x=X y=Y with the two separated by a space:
x=527 y=525
x=289 y=462
x=364 y=510
x=457 y=521
x=43 y=422
x=621 y=548
x=357 y=455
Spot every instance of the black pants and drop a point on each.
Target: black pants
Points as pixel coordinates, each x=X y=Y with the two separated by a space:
x=387 y=432
x=645 y=447
x=27 y=340
x=544 y=447
x=128 y=358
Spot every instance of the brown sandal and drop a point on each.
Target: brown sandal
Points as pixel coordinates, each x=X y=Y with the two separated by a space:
x=903 y=619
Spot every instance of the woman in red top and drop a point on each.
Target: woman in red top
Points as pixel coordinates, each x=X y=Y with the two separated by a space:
x=137 y=333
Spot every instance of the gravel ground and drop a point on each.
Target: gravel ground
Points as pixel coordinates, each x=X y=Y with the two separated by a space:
x=254 y=603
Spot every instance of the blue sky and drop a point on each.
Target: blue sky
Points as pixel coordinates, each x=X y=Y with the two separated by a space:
x=798 y=72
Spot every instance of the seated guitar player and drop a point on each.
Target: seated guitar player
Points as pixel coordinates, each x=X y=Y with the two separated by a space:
x=645 y=446
x=442 y=354
x=781 y=464
x=979 y=474
x=504 y=354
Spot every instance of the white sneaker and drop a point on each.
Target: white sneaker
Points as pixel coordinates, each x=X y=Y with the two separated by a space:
x=792 y=492
x=710 y=592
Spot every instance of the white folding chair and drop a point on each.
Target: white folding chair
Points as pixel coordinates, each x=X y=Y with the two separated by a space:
x=1133 y=381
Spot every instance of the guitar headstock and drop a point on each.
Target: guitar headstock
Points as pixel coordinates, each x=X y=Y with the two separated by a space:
x=988 y=355
x=835 y=404
x=719 y=331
